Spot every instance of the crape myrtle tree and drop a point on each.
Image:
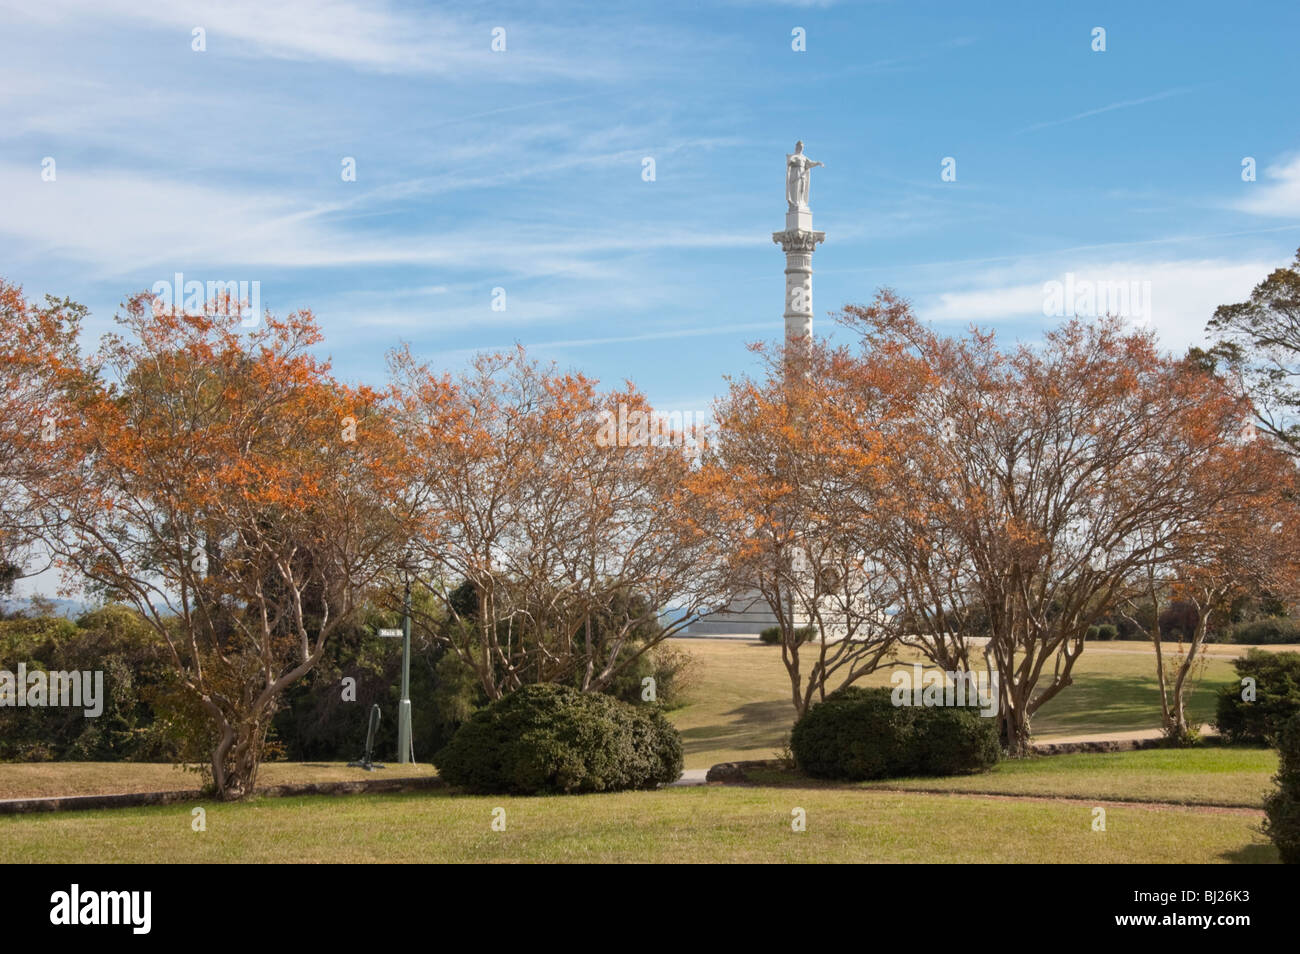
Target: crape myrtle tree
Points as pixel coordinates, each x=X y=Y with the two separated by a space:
x=38 y=358
x=1260 y=340
x=1040 y=479
x=222 y=482
x=566 y=531
x=1236 y=536
x=793 y=497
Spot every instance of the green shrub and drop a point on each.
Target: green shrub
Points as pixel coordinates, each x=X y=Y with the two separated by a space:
x=1271 y=631
x=1105 y=631
x=951 y=740
x=114 y=640
x=1277 y=697
x=670 y=668
x=315 y=723
x=859 y=734
x=1282 y=807
x=554 y=739
x=854 y=734
x=149 y=715
x=772 y=635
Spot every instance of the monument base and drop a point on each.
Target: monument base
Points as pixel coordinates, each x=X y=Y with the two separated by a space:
x=749 y=615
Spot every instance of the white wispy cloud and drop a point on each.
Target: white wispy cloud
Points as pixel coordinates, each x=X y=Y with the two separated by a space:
x=1279 y=195
x=374 y=35
x=1183 y=293
x=1122 y=104
x=668 y=334
x=118 y=222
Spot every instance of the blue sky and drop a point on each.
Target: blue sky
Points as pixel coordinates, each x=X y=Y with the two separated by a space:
x=522 y=169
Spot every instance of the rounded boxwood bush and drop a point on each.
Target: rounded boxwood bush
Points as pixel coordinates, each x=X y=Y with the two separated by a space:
x=554 y=739
x=859 y=734
x=854 y=734
x=1277 y=697
x=953 y=740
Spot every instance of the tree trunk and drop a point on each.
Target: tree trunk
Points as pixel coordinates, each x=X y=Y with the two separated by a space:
x=1015 y=731
x=237 y=758
x=1179 y=730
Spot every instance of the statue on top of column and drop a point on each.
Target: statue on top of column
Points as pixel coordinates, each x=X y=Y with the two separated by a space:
x=797 y=174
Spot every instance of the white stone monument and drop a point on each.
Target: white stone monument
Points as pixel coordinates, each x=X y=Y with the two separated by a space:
x=750 y=614
x=798 y=241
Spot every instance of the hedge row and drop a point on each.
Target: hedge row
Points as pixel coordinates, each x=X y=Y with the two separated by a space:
x=137 y=683
x=146 y=717
x=1262 y=632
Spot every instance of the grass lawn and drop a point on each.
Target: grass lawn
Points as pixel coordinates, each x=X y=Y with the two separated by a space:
x=739 y=708
x=713 y=824
x=739 y=702
x=1213 y=775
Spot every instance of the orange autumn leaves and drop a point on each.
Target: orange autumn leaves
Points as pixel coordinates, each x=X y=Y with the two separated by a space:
x=571 y=547
x=222 y=481
x=1004 y=497
x=980 y=501
x=38 y=356
x=191 y=418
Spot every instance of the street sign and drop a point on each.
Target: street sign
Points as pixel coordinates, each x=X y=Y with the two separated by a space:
x=391 y=633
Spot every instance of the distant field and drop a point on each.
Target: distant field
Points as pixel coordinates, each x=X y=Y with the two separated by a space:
x=740 y=704
x=678 y=825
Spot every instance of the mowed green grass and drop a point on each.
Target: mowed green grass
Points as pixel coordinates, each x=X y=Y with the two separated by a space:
x=738 y=708
x=1033 y=810
x=673 y=826
x=1214 y=775
x=739 y=704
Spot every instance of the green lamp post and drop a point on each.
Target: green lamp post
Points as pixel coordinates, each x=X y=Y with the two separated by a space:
x=404 y=706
